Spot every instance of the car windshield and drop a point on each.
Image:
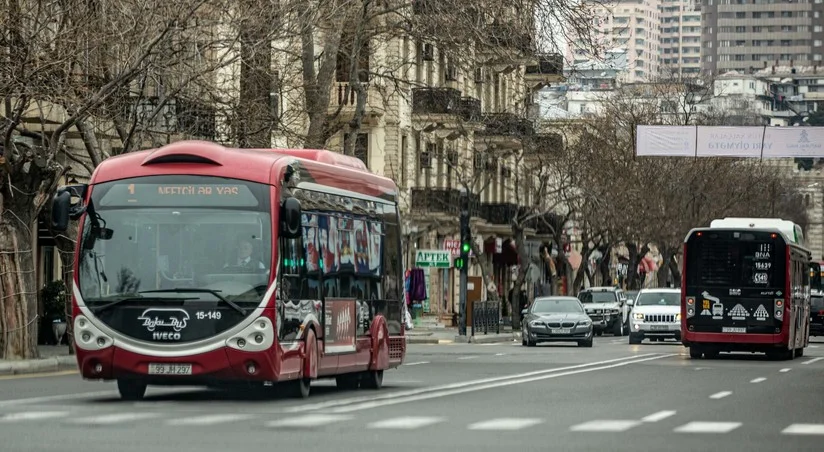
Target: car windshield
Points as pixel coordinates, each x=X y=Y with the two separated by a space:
x=597 y=297
x=556 y=305
x=817 y=303
x=659 y=299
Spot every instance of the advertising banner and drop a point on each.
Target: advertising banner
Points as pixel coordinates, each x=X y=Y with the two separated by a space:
x=340 y=325
x=723 y=141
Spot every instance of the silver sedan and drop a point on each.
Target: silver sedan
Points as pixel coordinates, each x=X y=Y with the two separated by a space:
x=556 y=319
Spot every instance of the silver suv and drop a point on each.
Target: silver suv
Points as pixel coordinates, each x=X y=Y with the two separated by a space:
x=656 y=315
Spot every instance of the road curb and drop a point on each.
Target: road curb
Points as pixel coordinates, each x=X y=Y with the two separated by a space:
x=422 y=340
x=37 y=366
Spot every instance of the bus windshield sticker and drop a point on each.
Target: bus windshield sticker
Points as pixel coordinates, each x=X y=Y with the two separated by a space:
x=717 y=306
x=761 y=313
x=735 y=291
x=760 y=278
x=739 y=313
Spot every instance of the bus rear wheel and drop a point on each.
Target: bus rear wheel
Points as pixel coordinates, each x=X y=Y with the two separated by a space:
x=131 y=390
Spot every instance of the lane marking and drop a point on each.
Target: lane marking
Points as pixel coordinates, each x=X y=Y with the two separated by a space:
x=32 y=416
x=505 y=423
x=720 y=395
x=467 y=357
x=604 y=426
x=708 y=427
x=508 y=382
x=210 y=419
x=417 y=363
x=310 y=420
x=500 y=354
x=804 y=429
x=813 y=360
x=813 y=346
x=787 y=369
x=61 y=373
x=83 y=395
x=108 y=419
x=404 y=381
x=405 y=422
x=411 y=392
x=758 y=380
x=659 y=416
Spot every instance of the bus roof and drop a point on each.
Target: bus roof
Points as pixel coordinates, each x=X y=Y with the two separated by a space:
x=791 y=231
x=256 y=165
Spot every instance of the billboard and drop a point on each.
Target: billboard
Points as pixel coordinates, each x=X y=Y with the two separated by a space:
x=725 y=141
x=340 y=325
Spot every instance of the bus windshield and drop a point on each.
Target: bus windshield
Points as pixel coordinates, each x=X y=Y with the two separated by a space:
x=736 y=260
x=176 y=239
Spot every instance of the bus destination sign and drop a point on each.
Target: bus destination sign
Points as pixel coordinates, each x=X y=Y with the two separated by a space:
x=179 y=195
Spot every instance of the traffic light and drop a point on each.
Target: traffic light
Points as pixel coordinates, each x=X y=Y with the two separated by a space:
x=460 y=263
x=466 y=233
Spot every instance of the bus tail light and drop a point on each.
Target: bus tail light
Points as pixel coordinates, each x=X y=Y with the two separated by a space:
x=779 y=309
x=690 y=307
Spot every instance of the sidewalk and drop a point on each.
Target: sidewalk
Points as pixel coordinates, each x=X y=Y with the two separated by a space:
x=450 y=335
x=52 y=359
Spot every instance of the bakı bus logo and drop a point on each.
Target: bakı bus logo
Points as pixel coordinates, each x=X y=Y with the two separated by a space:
x=173 y=318
x=343 y=325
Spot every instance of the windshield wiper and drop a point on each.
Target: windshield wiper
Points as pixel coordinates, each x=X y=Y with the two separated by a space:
x=216 y=294
x=105 y=307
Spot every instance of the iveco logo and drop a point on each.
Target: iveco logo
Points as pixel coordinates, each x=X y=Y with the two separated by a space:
x=173 y=318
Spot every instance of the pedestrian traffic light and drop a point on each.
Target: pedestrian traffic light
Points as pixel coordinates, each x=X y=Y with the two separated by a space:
x=460 y=263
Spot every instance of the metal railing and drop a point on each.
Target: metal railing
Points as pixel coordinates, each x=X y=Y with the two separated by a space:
x=486 y=317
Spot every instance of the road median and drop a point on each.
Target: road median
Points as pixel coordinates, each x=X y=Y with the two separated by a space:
x=37 y=366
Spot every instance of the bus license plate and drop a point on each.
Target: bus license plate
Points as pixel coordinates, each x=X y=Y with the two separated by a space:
x=170 y=369
x=733 y=329
x=561 y=331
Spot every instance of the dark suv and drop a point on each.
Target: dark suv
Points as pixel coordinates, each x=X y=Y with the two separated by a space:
x=607 y=308
x=817 y=315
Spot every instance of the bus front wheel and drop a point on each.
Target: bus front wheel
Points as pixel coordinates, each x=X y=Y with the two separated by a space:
x=131 y=389
x=372 y=379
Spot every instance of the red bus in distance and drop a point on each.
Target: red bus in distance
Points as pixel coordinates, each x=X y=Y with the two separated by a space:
x=203 y=265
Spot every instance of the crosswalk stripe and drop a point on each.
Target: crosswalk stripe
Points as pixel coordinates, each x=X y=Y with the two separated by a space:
x=107 y=419
x=804 y=429
x=605 y=426
x=504 y=424
x=708 y=427
x=406 y=422
x=211 y=419
x=308 y=421
x=31 y=416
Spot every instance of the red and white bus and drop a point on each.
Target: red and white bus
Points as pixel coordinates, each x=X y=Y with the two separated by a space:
x=746 y=287
x=202 y=265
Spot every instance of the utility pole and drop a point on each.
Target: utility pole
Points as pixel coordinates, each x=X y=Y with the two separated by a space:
x=462 y=262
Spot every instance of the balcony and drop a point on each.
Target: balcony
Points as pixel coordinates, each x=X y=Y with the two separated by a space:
x=510 y=36
x=436 y=101
x=343 y=99
x=550 y=69
x=471 y=109
x=499 y=214
x=441 y=200
x=545 y=145
x=507 y=125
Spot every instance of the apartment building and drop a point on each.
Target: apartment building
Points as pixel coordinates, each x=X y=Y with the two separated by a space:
x=740 y=35
x=680 y=38
x=444 y=120
x=631 y=25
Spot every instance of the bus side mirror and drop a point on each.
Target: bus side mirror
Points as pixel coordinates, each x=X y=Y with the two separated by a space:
x=61 y=204
x=290 y=218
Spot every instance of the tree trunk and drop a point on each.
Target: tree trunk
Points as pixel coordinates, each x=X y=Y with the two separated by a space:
x=486 y=273
x=673 y=267
x=663 y=270
x=18 y=294
x=606 y=277
x=66 y=247
x=255 y=117
x=523 y=265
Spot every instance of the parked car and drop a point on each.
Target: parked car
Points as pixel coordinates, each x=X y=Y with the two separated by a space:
x=607 y=308
x=556 y=319
x=656 y=315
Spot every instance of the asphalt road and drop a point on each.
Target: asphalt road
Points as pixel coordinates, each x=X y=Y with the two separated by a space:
x=455 y=397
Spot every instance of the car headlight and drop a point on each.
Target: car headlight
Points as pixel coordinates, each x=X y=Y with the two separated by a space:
x=678 y=317
x=638 y=316
x=614 y=311
x=584 y=322
x=534 y=323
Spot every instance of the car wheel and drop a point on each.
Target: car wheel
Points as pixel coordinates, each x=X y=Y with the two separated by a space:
x=586 y=343
x=635 y=338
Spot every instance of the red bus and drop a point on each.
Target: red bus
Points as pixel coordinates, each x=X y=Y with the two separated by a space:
x=746 y=287
x=202 y=265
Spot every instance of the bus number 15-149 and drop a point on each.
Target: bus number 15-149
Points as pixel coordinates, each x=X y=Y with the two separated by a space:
x=211 y=315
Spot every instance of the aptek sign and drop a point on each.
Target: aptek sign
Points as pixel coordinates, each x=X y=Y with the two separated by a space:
x=432 y=258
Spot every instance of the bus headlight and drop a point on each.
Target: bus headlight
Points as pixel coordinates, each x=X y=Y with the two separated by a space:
x=257 y=337
x=89 y=337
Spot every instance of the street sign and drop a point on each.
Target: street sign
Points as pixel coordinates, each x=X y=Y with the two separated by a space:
x=432 y=258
